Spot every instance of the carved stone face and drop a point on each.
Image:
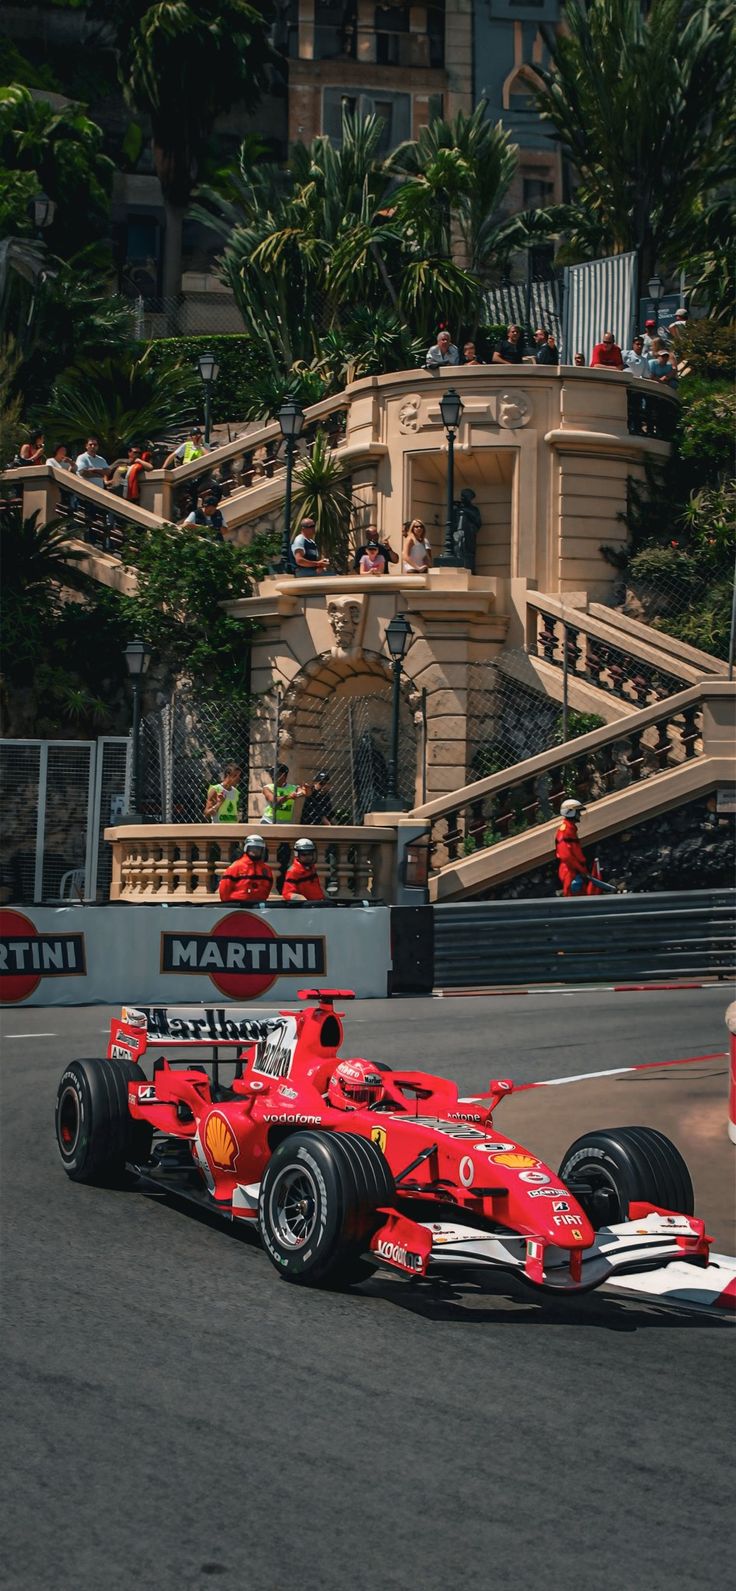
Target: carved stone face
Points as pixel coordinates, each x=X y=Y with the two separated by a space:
x=344 y=618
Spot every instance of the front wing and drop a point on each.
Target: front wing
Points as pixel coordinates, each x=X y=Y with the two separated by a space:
x=646 y=1242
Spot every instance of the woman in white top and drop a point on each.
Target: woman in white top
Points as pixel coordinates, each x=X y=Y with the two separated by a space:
x=417 y=551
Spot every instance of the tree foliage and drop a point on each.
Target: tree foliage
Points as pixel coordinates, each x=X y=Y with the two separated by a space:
x=120 y=399
x=345 y=237
x=642 y=101
x=184 y=576
x=58 y=152
x=321 y=494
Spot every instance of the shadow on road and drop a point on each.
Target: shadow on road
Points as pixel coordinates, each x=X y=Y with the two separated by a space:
x=509 y=1303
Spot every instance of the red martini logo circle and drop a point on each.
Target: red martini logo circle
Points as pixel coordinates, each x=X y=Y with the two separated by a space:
x=27 y=956
x=243 y=955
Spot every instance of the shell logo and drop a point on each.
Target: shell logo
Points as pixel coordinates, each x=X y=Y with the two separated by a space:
x=515 y=1162
x=220 y=1143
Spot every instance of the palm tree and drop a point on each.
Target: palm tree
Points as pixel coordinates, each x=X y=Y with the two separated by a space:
x=319 y=494
x=121 y=399
x=183 y=63
x=647 y=162
x=35 y=557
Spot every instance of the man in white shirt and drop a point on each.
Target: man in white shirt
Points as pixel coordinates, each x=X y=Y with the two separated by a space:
x=92 y=467
x=635 y=360
x=443 y=352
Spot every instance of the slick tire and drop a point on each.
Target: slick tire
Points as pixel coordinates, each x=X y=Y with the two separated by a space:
x=317 y=1206
x=622 y=1165
x=94 y=1131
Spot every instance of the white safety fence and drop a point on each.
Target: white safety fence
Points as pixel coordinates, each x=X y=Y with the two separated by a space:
x=183 y=955
x=57 y=798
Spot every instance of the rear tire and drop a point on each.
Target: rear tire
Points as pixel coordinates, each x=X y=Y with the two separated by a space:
x=619 y=1166
x=95 y=1132
x=318 y=1203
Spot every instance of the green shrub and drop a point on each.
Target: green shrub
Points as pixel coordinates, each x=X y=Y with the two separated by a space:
x=231 y=393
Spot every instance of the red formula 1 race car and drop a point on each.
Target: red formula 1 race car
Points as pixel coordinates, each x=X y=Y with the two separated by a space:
x=345 y=1165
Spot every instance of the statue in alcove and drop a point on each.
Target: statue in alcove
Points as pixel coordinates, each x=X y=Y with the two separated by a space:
x=467 y=522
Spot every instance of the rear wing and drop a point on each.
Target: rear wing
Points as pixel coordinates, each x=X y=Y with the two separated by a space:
x=270 y=1035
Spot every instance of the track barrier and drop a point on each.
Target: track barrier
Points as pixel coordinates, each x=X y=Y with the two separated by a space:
x=146 y=955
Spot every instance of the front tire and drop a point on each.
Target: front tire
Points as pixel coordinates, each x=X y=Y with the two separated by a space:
x=95 y=1132
x=318 y=1203
x=607 y=1171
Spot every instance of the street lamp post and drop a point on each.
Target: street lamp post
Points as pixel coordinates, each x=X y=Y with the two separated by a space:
x=398 y=635
x=137 y=658
x=291 y=420
x=209 y=370
x=451 y=409
x=42 y=210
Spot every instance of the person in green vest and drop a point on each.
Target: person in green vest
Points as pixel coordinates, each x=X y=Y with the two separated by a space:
x=193 y=448
x=223 y=800
x=281 y=810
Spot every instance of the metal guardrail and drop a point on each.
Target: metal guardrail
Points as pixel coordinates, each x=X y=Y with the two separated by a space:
x=491 y=944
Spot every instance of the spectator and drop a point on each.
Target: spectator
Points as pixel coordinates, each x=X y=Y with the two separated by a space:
x=443 y=352
x=281 y=809
x=663 y=368
x=118 y=472
x=470 y=356
x=417 y=551
x=223 y=800
x=510 y=351
x=133 y=478
x=650 y=328
x=207 y=513
x=318 y=804
x=60 y=457
x=32 y=451
x=547 y=353
x=302 y=879
x=305 y=552
x=540 y=339
x=371 y=540
x=635 y=360
x=607 y=353
x=90 y=465
x=579 y=361
x=679 y=324
x=373 y=561
x=192 y=449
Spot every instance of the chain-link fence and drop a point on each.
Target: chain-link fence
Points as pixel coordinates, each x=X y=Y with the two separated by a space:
x=510 y=716
x=187 y=743
x=57 y=799
x=679 y=594
x=185 y=315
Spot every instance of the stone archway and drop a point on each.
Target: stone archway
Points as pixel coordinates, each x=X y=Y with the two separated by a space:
x=336 y=715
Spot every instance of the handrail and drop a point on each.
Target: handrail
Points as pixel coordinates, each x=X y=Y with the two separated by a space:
x=642 y=643
x=656 y=743
x=551 y=758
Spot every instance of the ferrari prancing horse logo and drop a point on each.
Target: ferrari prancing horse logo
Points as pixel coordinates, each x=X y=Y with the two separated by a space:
x=379 y=1136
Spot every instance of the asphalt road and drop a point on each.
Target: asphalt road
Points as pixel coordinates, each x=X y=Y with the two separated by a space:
x=177 y=1417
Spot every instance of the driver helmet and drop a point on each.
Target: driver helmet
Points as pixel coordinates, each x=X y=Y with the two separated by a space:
x=255 y=846
x=572 y=809
x=355 y=1084
x=305 y=851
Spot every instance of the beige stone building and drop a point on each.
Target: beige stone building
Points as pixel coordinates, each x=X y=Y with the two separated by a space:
x=548 y=454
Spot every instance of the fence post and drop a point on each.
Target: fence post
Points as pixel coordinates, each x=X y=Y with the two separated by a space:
x=43 y=769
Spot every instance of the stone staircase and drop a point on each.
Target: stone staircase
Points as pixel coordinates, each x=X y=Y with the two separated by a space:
x=647 y=762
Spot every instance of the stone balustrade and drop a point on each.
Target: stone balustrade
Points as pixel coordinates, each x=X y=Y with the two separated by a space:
x=183 y=863
x=633 y=751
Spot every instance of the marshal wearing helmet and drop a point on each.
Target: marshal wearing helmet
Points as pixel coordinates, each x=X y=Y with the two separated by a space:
x=249 y=879
x=302 y=880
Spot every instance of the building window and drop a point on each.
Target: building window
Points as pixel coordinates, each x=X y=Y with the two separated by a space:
x=394 y=110
x=537 y=193
x=335 y=26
